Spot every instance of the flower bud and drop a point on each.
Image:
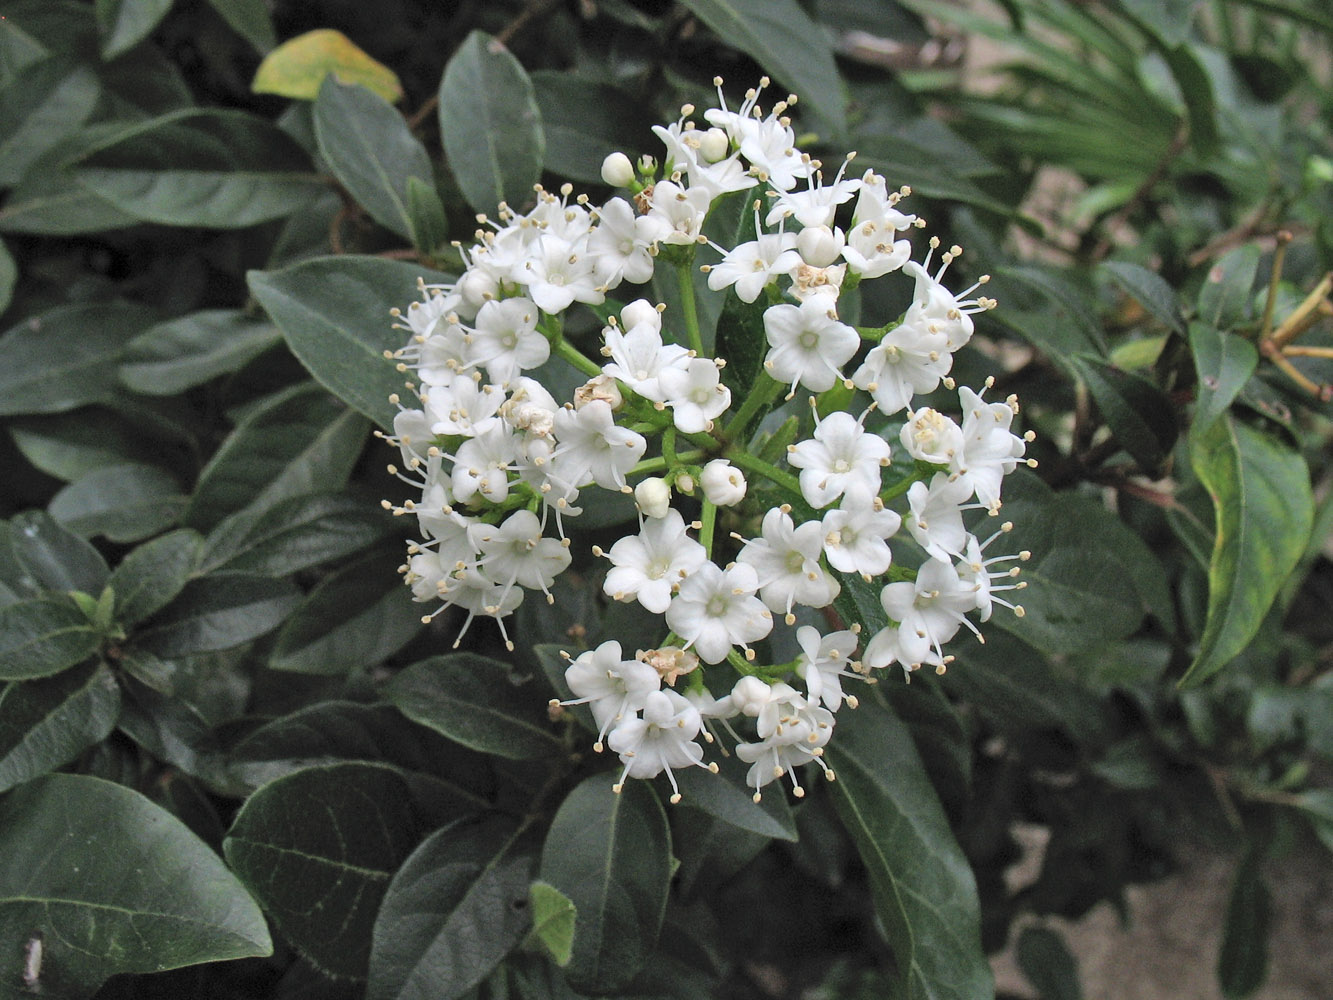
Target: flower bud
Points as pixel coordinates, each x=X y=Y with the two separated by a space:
x=714 y=145
x=819 y=246
x=750 y=695
x=476 y=288
x=653 y=496
x=647 y=164
x=723 y=483
x=640 y=311
x=685 y=483
x=617 y=170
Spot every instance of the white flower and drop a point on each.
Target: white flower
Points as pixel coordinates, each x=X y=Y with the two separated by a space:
x=638 y=356
x=716 y=609
x=794 y=733
x=648 y=566
x=819 y=246
x=516 y=553
x=816 y=205
x=723 y=483
x=613 y=687
x=786 y=563
x=935 y=514
x=664 y=738
x=807 y=343
x=976 y=575
x=823 y=663
x=556 y=275
x=622 y=242
x=593 y=445
x=505 y=339
x=695 y=394
x=910 y=359
x=841 y=453
x=465 y=407
x=681 y=212
x=751 y=266
x=483 y=463
x=988 y=451
x=929 y=611
x=856 y=534
x=930 y=436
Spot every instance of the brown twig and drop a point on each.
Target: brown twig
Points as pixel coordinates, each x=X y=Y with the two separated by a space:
x=533 y=10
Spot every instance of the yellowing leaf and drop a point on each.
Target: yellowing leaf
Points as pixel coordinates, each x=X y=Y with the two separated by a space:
x=298 y=66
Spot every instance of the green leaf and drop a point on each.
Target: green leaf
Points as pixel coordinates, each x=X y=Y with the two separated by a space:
x=65 y=357
x=1224 y=297
x=1242 y=959
x=250 y=19
x=1139 y=414
x=780 y=36
x=356 y=618
x=1167 y=20
x=584 y=121
x=611 y=857
x=317 y=848
x=453 y=911
x=1071 y=325
x=1225 y=363
x=125 y=503
x=371 y=151
x=429 y=224
x=490 y=124
x=55 y=558
x=179 y=354
x=334 y=312
x=1090 y=578
x=1048 y=965
x=726 y=797
x=45 y=104
x=298 y=66
x=44 y=724
x=295 y=534
x=51 y=202
x=296 y=443
x=553 y=916
x=474 y=701
x=1264 y=512
x=218 y=612
x=220 y=169
x=924 y=891
x=69 y=445
x=113 y=884
x=123 y=24
x=9 y=276
x=150 y=576
x=1196 y=88
x=1149 y=290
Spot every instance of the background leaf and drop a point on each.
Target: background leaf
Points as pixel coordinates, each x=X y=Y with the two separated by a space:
x=250 y=19
x=67 y=844
x=298 y=66
x=150 y=576
x=124 y=503
x=170 y=357
x=1140 y=415
x=54 y=558
x=1149 y=290
x=1242 y=958
x=123 y=24
x=218 y=612
x=45 y=724
x=490 y=124
x=1224 y=362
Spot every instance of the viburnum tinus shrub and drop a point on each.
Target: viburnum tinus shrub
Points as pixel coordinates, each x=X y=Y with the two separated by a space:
x=763 y=501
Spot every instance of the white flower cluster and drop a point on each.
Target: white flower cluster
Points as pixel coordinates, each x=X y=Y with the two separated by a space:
x=500 y=464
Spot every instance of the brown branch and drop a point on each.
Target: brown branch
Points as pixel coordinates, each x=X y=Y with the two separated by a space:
x=533 y=10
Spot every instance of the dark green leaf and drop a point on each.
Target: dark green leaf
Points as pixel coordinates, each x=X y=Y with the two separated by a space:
x=780 y=36
x=65 y=357
x=726 y=797
x=1139 y=414
x=123 y=24
x=9 y=276
x=1225 y=363
x=1167 y=20
x=218 y=612
x=1072 y=326
x=298 y=443
x=295 y=534
x=334 y=312
x=924 y=890
x=55 y=558
x=452 y=912
x=113 y=884
x=1225 y=296
x=1090 y=578
x=45 y=104
x=474 y=701
x=181 y=353
x=125 y=503
x=490 y=124
x=321 y=882
x=250 y=19
x=371 y=151
x=149 y=577
x=1197 y=90
x=1264 y=512
x=69 y=445
x=51 y=202
x=1048 y=965
x=610 y=855
x=1242 y=959
x=45 y=724
x=553 y=916
x=221 y=169
x=1149 y=290
x=356 y=618
x=430 y=225
x=584 y=121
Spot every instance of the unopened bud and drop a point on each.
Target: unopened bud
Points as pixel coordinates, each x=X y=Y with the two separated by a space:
x=819 y=246
x=640 y=311
x=723 y=483
x=617 y=170
x=750 y=695
x=714 y=145
x=653 y=496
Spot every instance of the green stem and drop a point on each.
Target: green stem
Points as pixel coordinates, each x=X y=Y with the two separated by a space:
x=709 y=521
x=685 y=282
x=760 y=395
x=575 y=357
x=748 y=462
x=917 y=475
x=663 y=463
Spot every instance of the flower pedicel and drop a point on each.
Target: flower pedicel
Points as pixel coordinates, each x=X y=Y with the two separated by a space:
x=500 y=465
